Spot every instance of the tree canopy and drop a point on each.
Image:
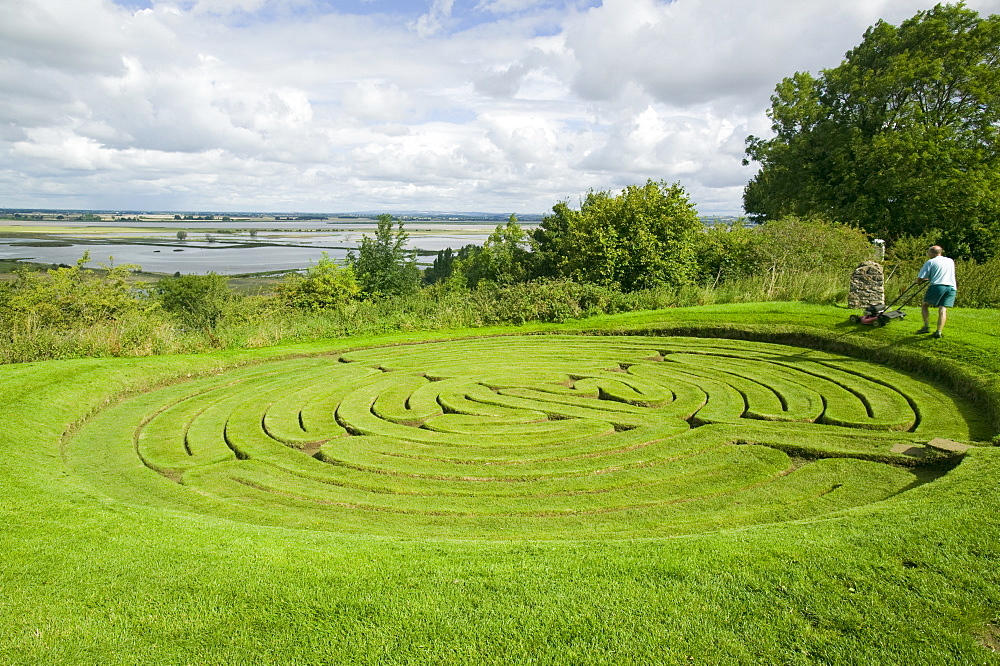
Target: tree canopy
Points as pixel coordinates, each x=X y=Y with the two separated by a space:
x=198 y=300
x=899 y=139
x=324 y=285
x=383 y=265
x=643 y=237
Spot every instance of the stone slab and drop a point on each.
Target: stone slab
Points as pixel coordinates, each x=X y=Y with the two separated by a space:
x=942 y=444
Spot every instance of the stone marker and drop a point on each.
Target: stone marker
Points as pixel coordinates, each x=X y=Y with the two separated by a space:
x=867 y=286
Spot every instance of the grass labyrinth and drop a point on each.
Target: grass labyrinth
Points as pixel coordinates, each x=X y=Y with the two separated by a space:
x=528 y=437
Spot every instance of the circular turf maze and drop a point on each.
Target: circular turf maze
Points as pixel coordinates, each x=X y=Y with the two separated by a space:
x=527 y=437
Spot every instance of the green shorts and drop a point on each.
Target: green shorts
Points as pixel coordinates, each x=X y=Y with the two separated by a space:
x=940 y=295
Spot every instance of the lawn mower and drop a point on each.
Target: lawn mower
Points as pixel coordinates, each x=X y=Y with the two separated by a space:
x=880 y=315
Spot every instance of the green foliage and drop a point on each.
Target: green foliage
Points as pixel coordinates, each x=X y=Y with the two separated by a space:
x=900 y=139
x=502 y=259
x=441 y=269
x=324 y=285
x=979 y=283
x=545 y=300
x=910 y=250
x=642 y=238
x=551 y=242
x=469 y=269
x=448 y=262
x=197 y=300
x=383 y=266
x=505 y=253
x=726 y=253
x=905 y=256
x=793 y=258
x=789 y=249
x=64 y=298
x=182 y=235
x=811 y=245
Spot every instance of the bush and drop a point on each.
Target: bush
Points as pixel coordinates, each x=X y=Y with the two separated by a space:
x=545 y=301
x=644 y=237
x=907 y=254
x=197 y=300
x=324 y=285
x=502 y=259
x=978 y=283
x=726 y=253
x=811 y=245
x=69 y=297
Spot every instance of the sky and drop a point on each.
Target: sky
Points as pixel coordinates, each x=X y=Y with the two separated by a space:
x=503 y=106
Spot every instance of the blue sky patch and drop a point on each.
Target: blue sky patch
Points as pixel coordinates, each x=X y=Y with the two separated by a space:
x=465 y=14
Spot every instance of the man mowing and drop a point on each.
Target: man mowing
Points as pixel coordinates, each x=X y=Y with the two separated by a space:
x=940 y=272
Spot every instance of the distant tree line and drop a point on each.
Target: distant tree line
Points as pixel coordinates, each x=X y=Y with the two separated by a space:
x=645 y=237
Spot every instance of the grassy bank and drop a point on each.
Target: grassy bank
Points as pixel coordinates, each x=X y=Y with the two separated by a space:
x=92 y=575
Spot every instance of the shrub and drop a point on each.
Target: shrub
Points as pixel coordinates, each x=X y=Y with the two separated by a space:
x=727 y=253
x=795 y=244
x=67 y=297
x=197 y=300
x=907 y=254
x=545 y=301
x=978 y=283
x=324 y=285
x=503 y=259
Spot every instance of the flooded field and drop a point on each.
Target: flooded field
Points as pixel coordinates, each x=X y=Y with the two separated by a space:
x=229 y=248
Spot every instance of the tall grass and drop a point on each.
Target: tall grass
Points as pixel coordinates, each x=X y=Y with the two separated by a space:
x=261 y=321
x=978 y=283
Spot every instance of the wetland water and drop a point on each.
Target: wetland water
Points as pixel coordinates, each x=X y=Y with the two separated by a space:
x=222 y=247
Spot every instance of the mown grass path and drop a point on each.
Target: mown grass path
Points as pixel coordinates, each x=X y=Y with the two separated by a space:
x=676 y=487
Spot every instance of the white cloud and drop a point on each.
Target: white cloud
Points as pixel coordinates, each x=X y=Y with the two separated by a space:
x=64 y=150
x=70 y=36
x=505 y=105
x=224 y=7
x=371 y=100
x=433 y=21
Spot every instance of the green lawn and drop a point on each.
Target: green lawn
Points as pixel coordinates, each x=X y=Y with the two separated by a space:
x=679 y=487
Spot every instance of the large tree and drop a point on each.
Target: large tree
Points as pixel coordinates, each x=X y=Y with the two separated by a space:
x=899 y=139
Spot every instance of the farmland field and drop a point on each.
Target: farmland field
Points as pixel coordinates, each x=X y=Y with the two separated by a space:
x=730 y=484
